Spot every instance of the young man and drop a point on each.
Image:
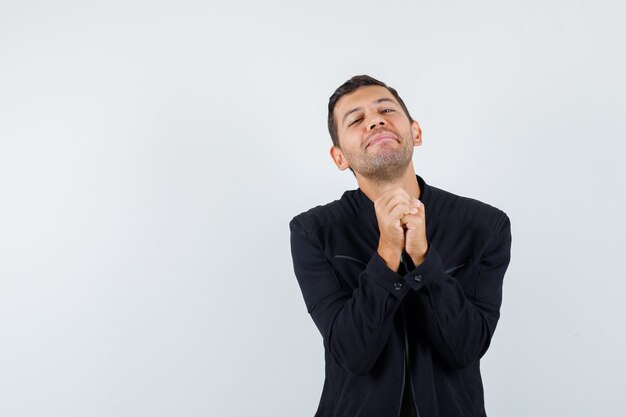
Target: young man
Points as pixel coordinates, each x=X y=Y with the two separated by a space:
x=402 y=279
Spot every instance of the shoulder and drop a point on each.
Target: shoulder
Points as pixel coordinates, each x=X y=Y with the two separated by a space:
x=340 y=210
x=454 y=208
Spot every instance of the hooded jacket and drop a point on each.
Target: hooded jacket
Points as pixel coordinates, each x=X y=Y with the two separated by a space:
x=427 y=326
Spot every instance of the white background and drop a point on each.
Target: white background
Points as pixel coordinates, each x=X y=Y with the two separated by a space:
x=152 y=154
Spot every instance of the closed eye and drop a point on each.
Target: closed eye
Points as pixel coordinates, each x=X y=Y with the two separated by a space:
x=355 y=121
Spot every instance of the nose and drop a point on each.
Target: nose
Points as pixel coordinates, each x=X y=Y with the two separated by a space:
x=377 y=121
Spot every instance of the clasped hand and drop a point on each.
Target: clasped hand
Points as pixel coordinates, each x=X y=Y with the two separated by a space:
x=402 y=224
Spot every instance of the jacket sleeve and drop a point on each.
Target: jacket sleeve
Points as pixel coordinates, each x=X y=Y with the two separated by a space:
x=460 y=327
x=355 y=324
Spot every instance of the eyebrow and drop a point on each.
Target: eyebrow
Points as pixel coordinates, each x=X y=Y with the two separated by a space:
x=380 y=100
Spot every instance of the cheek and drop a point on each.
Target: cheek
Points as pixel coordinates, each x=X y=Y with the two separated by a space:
x=405 y=131
x=351 y=142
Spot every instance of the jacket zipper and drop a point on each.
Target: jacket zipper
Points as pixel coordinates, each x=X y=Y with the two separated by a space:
x=405 y=362
x=406 y=359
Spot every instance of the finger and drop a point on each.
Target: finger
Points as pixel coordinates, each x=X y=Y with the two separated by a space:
x=421 y=209
x=417 y=213
x=400 y=199
x=401 y=209
x=412 y=221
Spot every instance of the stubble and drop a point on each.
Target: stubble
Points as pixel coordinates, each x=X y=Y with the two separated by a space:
x=383 y=163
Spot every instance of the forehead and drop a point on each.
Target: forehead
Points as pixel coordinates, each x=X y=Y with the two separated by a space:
x=361 y=97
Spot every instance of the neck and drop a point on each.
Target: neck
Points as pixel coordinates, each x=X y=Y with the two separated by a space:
x=407 y=181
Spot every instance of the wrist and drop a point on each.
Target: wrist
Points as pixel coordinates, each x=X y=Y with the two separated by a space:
x=391 y=257
x=419 y=257
x=418 y=260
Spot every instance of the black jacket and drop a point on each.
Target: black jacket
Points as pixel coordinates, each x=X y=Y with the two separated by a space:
x=441 y=315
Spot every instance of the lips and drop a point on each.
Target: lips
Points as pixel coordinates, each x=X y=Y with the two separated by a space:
x=381 y=137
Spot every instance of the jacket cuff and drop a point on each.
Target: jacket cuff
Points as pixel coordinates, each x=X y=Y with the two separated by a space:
x=429 y=270
x=380 y=273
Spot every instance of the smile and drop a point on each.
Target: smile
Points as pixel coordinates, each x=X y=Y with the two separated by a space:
x=381 y=138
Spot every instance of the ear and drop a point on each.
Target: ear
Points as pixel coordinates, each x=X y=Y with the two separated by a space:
x=337 y=155
x=416 y=131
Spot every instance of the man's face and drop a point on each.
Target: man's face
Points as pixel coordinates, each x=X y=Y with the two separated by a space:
x=376 y=138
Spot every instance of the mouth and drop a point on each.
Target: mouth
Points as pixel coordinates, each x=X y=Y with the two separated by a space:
x=381 y=137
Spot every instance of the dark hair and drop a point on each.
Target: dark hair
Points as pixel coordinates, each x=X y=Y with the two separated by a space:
x=348 y=87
